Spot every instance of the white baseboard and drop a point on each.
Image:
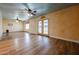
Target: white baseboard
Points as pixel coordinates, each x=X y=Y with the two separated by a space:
x=71 y=40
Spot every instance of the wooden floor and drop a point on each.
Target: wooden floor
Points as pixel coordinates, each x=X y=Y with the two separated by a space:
x=22 y=43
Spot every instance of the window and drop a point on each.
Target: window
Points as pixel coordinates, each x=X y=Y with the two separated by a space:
x=45 y=27
x=27 y=26
x=40 y=27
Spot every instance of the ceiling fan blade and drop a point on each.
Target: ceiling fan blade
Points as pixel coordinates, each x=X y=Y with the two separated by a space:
x=33 y=14
x=26 y=9
x=29 y=10
x=34 y=11
x=26 y=5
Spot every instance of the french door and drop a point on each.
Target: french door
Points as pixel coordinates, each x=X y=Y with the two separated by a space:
x=40 y=27
x=43 y=27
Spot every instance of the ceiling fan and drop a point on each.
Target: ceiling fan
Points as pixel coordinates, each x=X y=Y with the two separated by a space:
x=31 y=12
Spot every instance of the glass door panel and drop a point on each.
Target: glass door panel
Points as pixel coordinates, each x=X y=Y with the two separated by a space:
x=40 y=27
x=45 y=27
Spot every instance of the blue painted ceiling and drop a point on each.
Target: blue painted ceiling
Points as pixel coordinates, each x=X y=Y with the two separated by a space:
x=14 y=10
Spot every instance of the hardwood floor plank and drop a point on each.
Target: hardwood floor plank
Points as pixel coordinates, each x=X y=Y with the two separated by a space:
x=22 y=43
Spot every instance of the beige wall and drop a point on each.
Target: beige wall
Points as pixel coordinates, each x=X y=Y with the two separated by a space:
x=62 y=24
x=33 y=24
x=1 y=29
x=24 y=23
x=17 y=26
